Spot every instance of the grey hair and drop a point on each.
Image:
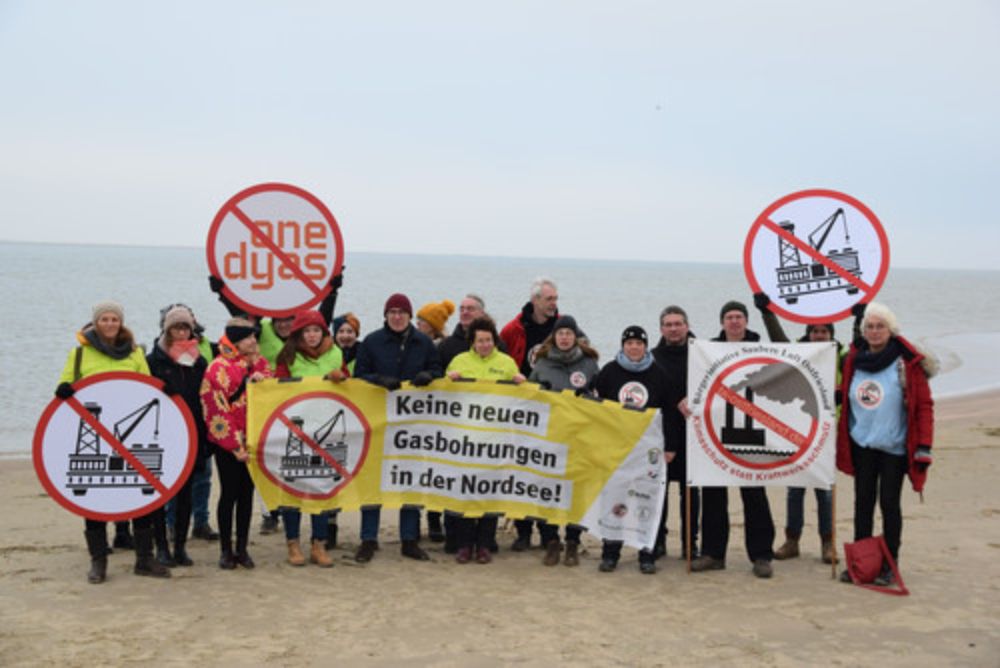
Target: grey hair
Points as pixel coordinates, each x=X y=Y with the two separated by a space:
x=674 y=310
x=541 y=282
x=476 y=298
x=882 y=312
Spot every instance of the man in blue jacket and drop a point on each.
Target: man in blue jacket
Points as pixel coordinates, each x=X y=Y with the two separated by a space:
x=387 y=356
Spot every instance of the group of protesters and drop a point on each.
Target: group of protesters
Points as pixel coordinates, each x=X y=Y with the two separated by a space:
x=885 y=420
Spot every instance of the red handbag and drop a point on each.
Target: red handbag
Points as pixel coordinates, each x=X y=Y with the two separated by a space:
x=865 y=559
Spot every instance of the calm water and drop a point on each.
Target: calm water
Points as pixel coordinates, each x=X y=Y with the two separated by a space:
x=49 y=289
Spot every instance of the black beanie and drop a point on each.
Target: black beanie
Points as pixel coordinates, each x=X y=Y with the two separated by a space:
x=635 y=332
x=238 y=329
x=566 y=322
x=733 y=305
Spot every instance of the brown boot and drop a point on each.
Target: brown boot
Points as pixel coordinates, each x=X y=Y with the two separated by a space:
x=829 y=551
x=552 y=550
x=790 y=549
x=572 y=553
x=295 y=556
x=318 y=554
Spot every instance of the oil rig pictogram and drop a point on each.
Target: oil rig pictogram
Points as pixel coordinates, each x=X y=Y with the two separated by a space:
x=301 y=461
x=797 y=279
x=89 y=468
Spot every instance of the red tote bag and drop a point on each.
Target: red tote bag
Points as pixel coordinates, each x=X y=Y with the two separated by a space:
x=865 y=559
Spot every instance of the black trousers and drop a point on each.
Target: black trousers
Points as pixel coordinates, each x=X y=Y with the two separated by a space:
x=237 y=492
x=550 y=532
x=476 y=533
x=143 y=522
x=878 y=474
x=758 y=525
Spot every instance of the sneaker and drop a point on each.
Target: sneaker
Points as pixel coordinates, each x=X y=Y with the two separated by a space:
x=845 y=577
x=886 y=578
x=522 y=544
x=707 y=563
x=483 y=556
x=205 y=532
x=244 y=560
x=762 y=568
x=647 y=567
x=268 y=525
x=366 y=551
x=607 y=565
x=464 y=555
x=411 y=550
x=227 y=561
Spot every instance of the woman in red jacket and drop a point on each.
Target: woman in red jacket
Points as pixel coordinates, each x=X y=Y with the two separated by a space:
x=886 y=424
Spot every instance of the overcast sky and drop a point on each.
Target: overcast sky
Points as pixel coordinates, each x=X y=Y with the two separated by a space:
x=648 y=130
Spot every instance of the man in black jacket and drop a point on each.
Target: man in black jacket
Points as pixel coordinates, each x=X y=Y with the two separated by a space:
x=757 y=521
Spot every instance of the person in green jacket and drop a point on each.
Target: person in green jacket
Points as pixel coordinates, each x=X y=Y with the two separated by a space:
x=481 y=362
x=106 y=344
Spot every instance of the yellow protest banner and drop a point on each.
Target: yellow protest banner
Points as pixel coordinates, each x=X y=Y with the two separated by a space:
x=470 y=447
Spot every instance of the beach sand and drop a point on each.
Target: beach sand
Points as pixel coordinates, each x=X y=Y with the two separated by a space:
x=394 y=611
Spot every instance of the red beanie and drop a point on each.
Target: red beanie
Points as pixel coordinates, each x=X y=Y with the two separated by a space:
x=305 y=318
x=400 y=301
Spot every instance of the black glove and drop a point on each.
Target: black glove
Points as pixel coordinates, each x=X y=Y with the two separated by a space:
x=422 y=378
x=64 y=391
x=388 y=382
x=858 y=310
x=337 y=281
x=169 y=390
x=761 y=300
x=923 y=458
x=583 y=392
x=215 y=283
x=545 y=385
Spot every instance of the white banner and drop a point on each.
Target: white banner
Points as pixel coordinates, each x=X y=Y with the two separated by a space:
x=762 y=414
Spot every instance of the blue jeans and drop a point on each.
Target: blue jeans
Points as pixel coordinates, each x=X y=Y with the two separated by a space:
x=795 y=513
x=201 y=489
x=292 y=518
x=409 y=523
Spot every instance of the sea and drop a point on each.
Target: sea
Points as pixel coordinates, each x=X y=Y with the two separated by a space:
x=48 y=291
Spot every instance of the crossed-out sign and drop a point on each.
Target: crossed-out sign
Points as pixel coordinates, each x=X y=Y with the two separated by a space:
x=118 y=448
x=313 y=445
x=276 y=247
x=816 y=253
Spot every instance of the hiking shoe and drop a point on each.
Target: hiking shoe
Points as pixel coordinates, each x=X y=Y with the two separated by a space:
x=607 y=565
x=707 y=563
x=647 y=567
x=366 y=551
x=572 y=557
x=552 y=551
x=885 y=579
x=464 y=555
x=205 y=532
x=762 y=568
x=411 y=550
x=788 y=550
x=521 y=544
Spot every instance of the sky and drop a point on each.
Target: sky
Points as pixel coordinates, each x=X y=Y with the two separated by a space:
x=628 y=130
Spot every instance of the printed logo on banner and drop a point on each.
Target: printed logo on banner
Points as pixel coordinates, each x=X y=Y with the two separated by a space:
x=118 y=448
x=313 y=445
x=816 y=253
x=763 y=417
x=276 y=247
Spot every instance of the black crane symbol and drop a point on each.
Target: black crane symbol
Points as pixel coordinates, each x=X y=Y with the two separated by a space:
x=797 y=279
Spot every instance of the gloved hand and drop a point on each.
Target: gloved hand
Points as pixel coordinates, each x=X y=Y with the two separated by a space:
x=65 y=391
x=761 y=300
x=858 y=310
x=388 y=382
x=338 y=280
x=923 y=457
x=169 y=390
x=583 y=392
x=545 y=385
x=215 y=283
x=422 y=378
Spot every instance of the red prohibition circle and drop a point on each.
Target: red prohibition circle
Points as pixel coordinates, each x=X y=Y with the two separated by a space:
x=328 y=218
x=280 y=410
x=53 y=491
x=758 y=223
x=710 y=426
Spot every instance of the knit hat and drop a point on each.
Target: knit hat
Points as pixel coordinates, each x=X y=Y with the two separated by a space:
x=348 y=318
x=437 y=314
x=305 y=318
x=566 y=322
x=238 y=329
x=635 y=332
x=733 y=305
x=108 y=306
x=400 y=301
x=178 y=315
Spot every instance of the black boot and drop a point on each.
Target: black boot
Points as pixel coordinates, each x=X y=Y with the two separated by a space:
x=163 y=555
x=331 y=537
x=434 y=530
x=123 y=538
x=181 y=557
x=145 y=564
x=97 y=546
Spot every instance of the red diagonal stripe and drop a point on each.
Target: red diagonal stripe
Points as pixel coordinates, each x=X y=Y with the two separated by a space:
x=274 y=248
x=315 y=446
x=109 y=438
x=817 y=256
x=774 y=424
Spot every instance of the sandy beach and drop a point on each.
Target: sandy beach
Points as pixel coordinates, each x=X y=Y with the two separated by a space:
x=395 y=611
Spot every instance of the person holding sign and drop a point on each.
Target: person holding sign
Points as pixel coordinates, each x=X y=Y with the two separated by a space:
x=758 y=524
x=387 y=356
x=481 y=362
x=309 y=351
x=346 y=330
x=564 y=362
x=224 y=404
x=886 y=426
x=106 y=344
x=636 y=381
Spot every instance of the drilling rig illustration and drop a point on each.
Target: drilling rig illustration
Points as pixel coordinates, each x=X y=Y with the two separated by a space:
x=89 y=468
x=300 y=461
x=797 y=279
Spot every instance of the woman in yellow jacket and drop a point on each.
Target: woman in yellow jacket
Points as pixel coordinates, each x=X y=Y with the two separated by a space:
x=481 y=362
x=106 y=344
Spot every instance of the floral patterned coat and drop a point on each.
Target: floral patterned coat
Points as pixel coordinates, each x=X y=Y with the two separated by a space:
x=224 y=403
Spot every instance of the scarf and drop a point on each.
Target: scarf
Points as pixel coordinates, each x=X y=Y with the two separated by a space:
x=185 y=353
x=116 y=351
x=315 y=353
x=871 y=362
x=565 y=357
x=635 y=367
